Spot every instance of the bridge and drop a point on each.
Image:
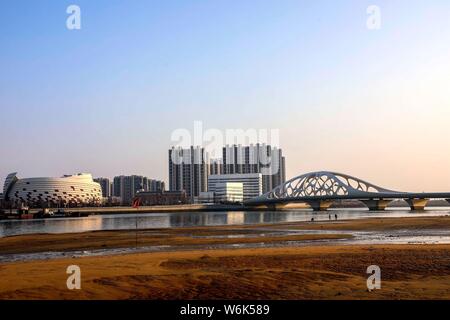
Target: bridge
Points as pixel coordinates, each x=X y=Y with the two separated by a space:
x=320 y=189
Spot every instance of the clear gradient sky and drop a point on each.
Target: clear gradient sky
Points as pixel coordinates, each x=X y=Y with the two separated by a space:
x=105 y=99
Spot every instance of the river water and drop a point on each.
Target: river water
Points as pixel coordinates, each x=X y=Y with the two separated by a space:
x=189 y=219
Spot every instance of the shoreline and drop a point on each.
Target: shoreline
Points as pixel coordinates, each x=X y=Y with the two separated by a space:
x=209 y=207
x=165 y=208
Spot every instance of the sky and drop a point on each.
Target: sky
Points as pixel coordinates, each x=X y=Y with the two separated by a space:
x=105 y=99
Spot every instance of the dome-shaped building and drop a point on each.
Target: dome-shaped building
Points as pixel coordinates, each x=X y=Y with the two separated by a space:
x=69 y=190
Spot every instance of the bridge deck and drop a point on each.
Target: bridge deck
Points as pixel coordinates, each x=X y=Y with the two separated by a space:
x=367 y=196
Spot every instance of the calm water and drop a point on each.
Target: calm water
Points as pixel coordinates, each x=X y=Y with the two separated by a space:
x=188 y=219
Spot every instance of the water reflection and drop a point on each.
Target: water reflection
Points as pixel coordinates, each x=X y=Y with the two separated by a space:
x=189 y=219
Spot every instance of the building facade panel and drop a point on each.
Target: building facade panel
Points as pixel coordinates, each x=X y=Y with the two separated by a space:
x=229 y=192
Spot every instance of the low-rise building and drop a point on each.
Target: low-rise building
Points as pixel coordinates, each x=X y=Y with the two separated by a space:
x=252 y=183
x=206 y=197
x=161 y=197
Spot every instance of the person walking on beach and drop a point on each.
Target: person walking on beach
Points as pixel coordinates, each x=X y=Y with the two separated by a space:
x=335 y=216
x=329 y=217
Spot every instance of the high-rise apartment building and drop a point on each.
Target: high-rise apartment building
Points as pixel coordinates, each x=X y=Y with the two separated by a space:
x=215 y=166
x=106 y=186
x=156 y=185
x=189 y=168
x=188 y=171
x=126 y=187
x=258 y=158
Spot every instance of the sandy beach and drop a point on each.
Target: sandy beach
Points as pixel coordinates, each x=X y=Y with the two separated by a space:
x=320 y=271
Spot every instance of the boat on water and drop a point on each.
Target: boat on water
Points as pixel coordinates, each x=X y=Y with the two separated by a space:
x=24 y=213
x=58 y=214
x=44 y=213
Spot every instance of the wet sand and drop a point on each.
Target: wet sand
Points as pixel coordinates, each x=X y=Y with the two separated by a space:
x=181 y=237
x=307 y=272
x=377 y=224
x=319 y=272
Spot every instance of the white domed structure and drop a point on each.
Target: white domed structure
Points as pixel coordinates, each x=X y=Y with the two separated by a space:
x=69 y=190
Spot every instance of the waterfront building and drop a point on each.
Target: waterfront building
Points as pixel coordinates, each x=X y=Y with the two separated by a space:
x=252 y=183
x=206 y=197
x=189 y=168
x=69 y=190
x=188 y=171
x=161 y=197
x=126 y=187
x=258 y=158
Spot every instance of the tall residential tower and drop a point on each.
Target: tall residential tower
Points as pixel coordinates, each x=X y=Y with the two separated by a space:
x=188 y=171
x=259 y=158
x=126 y=187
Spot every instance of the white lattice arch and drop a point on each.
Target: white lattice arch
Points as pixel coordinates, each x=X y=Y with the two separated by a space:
x=324 y=183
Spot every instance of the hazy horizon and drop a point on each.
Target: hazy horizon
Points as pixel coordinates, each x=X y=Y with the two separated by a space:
x=105 y=99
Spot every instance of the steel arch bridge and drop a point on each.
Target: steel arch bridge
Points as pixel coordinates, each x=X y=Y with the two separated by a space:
x=320 y=189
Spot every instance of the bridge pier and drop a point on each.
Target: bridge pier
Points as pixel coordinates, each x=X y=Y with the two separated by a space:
x=275 y=206
x=376 y=205
x=320 y=205
x=417 y=204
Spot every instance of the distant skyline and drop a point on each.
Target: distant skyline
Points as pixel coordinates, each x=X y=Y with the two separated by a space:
x=105 y=99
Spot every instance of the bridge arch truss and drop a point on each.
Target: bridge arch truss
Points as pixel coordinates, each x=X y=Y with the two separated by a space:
x=324 y=183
